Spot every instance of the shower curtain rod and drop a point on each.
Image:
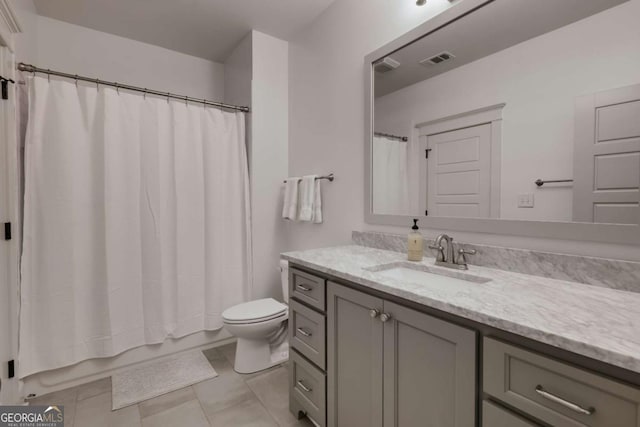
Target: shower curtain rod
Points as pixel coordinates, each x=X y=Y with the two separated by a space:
x=33 y=69
x=388 y=135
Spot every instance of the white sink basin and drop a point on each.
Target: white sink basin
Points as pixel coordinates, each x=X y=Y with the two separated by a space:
x=422 y=274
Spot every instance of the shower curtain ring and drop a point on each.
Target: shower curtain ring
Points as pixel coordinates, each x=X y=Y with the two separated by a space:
x=168 y=96
x=144 y=93
x=97 y=84
x=49 y=75
x=76 y=78
x=186 y=101
x=204 y=104
x=117 y=88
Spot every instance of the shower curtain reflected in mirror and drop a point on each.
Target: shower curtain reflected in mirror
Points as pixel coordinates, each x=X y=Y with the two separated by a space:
x=136 y=222
x=390 y=176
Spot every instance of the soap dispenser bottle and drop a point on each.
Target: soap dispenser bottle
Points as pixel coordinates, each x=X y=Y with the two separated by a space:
x=415 y=243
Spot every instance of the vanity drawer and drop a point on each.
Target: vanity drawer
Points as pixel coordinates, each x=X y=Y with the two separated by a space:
x=495 y=416
x=307 y=333
x=554 y=392
x=307 y=288
x=307 y=386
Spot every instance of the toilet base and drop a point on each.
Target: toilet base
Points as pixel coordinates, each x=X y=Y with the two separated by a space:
x=257 y=355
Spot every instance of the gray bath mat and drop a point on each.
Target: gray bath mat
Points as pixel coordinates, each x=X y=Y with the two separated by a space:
x=138 y=383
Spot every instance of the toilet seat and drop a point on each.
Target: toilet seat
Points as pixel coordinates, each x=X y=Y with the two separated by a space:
x=256 y=311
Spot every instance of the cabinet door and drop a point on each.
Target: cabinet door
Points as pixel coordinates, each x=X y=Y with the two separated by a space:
x=354 y=358
x=429 y=371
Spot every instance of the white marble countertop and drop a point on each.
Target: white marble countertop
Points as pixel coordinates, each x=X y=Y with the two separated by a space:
x=600 y=323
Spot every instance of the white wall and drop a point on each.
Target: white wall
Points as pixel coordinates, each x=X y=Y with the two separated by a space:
x=25 y=42
x=268 y=159
x=238 y=73
x=326 y=122
x=9 y=212
x=256 y=74
x=538 y=80
x=78 y=50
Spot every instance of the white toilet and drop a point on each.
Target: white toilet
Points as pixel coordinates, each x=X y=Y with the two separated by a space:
x=261 y=329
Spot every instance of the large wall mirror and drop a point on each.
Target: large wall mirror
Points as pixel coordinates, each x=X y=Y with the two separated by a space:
x=516 y=111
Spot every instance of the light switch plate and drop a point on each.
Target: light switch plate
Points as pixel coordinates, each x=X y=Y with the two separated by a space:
x=525 y=200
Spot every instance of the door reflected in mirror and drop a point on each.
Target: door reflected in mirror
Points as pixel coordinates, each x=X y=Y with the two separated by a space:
x=518 y=110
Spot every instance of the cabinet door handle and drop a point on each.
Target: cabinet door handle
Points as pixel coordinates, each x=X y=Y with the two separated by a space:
x=574 y=407
x=374 y=313
x=304 y=387
x=304 y=288
x=303 y=332
x=385 y=317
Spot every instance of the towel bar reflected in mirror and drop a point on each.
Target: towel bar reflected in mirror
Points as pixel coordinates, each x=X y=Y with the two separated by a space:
x=329 y=177
x=540 y=182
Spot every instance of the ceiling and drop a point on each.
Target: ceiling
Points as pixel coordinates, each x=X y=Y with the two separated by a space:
x=497 y=26
x=208 y=29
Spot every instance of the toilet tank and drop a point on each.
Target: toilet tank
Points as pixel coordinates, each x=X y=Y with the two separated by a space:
x=284 y=279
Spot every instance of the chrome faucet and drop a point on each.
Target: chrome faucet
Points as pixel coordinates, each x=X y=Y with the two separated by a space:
x=448 y=258
x=442 y=255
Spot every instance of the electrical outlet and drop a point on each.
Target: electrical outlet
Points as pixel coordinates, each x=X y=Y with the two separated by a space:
x=525 y=200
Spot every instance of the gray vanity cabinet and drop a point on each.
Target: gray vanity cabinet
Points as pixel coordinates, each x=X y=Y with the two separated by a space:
x=363 y=359
x=392 y=366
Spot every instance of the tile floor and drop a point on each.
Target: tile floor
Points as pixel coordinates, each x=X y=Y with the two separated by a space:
x=231 y=399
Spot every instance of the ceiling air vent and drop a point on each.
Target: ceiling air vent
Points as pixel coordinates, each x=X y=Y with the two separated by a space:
x=438 y=59
x=385 y=65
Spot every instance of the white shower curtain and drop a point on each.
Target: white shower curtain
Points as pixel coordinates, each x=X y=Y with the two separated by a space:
x=136 y=222
x=390 y=176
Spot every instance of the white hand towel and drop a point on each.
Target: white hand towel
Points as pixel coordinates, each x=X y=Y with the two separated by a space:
x=317 y=204
x=307 y=197
x=290 y=205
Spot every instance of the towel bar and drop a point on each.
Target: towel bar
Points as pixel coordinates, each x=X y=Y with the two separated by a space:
x=329 y=177
x=540 y=182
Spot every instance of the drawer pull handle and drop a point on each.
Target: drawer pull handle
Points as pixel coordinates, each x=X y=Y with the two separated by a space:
x=374 y=313
x=304 y=387
x=385 y=317
x=552 y=397
x=304 y=288
x=303 y=332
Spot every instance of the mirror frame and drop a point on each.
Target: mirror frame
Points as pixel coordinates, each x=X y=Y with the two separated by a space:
x=604 y=233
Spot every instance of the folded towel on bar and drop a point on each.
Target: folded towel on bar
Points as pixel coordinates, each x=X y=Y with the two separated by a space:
x=290 y=205
x=310 y=200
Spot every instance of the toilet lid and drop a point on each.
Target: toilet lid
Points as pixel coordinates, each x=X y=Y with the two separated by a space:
x=252 y=311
